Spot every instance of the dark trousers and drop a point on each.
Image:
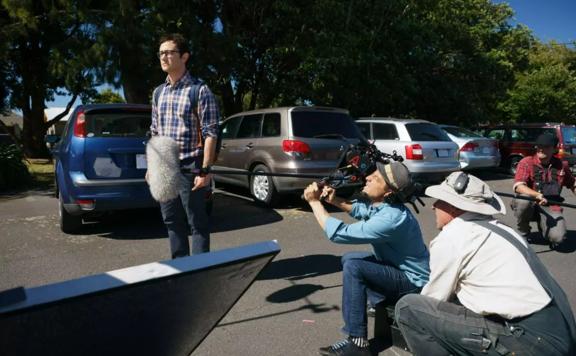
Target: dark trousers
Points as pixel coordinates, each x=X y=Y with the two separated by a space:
x=187 y=212
x=550 y=219
x=432 y=327
x=363 y=276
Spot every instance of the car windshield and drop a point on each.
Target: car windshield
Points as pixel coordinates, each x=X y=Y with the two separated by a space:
x=460 y=132
x=569 y=135
x=118 y=123
x=321 y=124
x=426 y=132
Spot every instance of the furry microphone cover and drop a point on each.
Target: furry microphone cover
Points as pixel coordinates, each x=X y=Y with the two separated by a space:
x=164 y=175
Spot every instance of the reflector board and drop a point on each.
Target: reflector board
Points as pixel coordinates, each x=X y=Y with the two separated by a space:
x=163 y=308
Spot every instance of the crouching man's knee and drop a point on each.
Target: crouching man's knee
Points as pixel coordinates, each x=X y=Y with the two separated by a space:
x=403 y=311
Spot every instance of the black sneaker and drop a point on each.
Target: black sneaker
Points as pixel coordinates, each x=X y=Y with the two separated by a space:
x=345 y=348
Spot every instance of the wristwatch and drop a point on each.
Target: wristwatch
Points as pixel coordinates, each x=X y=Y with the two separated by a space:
x=205 y=171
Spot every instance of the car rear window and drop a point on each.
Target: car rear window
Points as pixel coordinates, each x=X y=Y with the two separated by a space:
x=529 y=134
x=364 y=128
x=569 y=135
x=461 y=132
x=385 y=131
x=323 y=124
x=426 y=132
x=117 y=123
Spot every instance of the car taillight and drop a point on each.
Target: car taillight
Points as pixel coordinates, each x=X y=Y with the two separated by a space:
x=468 y=147
x=295 y=146
x=563 y=151
x=414 y=152
x=80 y=125
x=85 y=204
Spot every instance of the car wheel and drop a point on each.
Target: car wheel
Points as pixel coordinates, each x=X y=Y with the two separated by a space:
x=513 y=165
x=69 y=224
x=262 y=187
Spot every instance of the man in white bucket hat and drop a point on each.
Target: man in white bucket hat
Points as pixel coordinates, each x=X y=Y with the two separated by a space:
x=488 y=292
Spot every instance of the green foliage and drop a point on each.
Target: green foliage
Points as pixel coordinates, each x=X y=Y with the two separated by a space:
x=546 y=90
x=457 y=61
x=106 y=96
x=13 y=171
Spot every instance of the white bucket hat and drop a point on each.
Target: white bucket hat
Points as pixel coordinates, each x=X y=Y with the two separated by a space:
x=468 y=193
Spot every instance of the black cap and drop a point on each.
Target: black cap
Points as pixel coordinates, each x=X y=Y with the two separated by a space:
x=546 y=139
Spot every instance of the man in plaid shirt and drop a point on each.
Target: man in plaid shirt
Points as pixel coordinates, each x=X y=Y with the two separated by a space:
x=184 y=109
x=542 y=177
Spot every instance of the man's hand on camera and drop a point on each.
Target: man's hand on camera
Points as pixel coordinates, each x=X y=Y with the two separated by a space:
x=312 y=193
x=328 y=194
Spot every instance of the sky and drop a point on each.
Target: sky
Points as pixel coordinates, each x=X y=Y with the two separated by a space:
x=548 y=19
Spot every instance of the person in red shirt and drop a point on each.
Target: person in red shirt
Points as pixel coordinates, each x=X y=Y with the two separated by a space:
x=542 y=177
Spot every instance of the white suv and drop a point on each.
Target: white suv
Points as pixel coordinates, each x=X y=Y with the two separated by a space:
x=428 y=152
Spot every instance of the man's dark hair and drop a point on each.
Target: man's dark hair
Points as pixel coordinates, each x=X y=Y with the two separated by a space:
x=181 y=42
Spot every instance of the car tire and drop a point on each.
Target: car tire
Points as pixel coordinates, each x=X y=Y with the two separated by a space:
x=262 y=188
x=513 y=164
x=69 y=224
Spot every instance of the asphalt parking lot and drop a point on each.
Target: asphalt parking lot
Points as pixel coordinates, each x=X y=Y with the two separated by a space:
x=293 y=307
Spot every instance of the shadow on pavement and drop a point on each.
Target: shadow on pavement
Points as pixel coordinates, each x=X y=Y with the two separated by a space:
x=140 y=224
x=229 y=213
x=295 y=292
x=568 y=246
x=234 y=213
x=299 y=268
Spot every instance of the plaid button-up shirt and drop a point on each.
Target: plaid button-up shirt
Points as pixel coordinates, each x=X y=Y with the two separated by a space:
x=525 y=172
x=174 y=116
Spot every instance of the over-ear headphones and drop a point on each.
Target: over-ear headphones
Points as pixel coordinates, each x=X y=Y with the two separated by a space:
x=461 y=183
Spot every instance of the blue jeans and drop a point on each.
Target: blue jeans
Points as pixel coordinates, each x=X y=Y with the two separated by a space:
x=188 y=209
x=363 y=276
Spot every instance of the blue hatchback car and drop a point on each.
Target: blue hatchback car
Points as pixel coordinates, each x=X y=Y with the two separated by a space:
x=100 y=162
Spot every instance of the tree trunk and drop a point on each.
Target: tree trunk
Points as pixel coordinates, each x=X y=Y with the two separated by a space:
x=33 y=127
x=33 y=133
x=134 y=76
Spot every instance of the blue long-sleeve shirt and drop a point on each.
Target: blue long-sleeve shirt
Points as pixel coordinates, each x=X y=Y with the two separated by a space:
x=392 y=231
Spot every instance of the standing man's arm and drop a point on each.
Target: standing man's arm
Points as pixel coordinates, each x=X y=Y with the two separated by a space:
x=209 y=116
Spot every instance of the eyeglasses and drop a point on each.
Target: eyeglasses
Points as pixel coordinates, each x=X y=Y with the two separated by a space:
x=169 y=53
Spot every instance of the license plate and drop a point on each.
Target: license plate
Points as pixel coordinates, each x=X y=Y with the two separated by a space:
x=574 y=150
x=443 y=153
x=141 y=161
x=486 y=150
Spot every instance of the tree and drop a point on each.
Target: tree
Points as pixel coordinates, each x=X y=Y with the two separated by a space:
x=546 y=90
x=107 y=96
x=48 y=45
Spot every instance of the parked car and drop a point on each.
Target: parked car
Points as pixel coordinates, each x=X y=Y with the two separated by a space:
x=517 y=141
x=475 y=151
x=298 y=139
x=100 y=162
x=427 y=150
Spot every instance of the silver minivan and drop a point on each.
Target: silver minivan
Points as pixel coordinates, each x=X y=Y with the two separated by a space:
x=301 y=139
x=428 y=152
